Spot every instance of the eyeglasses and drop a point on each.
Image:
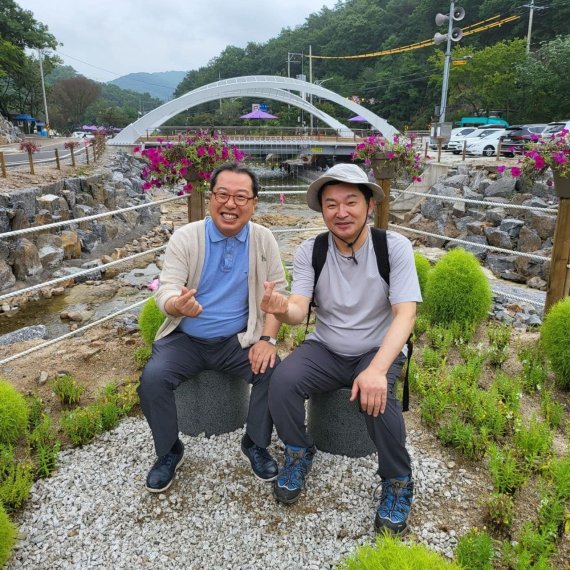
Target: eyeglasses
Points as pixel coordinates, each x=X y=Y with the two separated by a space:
x=222 y=197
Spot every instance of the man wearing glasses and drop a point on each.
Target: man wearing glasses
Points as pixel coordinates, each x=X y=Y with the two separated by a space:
x=211 y=287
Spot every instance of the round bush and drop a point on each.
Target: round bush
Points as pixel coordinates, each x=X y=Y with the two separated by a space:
x=457 y=291
x=150 y=320
x=423 y=267
x=555 y=339
x=13 y=413
x=7 y=536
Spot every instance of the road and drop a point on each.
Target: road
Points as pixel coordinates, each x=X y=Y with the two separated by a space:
x=13 y=156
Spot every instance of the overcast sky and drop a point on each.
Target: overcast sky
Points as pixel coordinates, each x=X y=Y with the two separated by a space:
x=104 y=39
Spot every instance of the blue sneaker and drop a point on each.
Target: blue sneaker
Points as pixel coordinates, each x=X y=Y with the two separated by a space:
x=394 y=508
x=291 y=479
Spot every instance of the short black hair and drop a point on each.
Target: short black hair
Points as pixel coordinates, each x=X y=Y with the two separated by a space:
x=238 y=169
x=362 y=187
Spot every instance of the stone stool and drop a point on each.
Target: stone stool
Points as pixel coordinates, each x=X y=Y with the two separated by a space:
x=337 y=425
x=212 y=403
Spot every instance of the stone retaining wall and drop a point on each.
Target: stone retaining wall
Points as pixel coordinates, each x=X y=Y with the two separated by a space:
x=529 y=231
x=35 y=257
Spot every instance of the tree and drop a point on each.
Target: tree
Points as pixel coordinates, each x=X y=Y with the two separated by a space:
x=70 y=98
x=18 y=81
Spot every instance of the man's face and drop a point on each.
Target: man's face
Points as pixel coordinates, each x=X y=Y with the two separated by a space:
x=345 y=210
x=230 y=218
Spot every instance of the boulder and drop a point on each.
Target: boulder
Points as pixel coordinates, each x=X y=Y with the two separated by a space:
x=502 y=188
x=544 y=224
x=70 y=244
x=512 y=226
x=529 y=240
x=26 y=260
x=504 y=267
x=498 y=238
x=7 y=278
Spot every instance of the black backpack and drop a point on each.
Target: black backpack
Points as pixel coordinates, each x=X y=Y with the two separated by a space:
x=380 y=243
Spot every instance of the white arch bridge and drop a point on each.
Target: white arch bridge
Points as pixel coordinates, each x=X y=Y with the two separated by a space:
x=262 y=86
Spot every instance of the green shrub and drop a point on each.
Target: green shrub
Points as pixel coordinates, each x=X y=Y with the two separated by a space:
x=15 y=479
x=500 y=510
x=7 y=536
x=82 y=425
x=421 y=326
x=423 y=267
x=389 y=553
x=46 y=446
x=67 y=390
x=553 y=411
x=475 y=551
x=13 y=413
x=110 y=415
x=464 y=437
x=535 y=371
x=150 y=319
x=499 y=337
x=457 y=291
x=142 y=355
x=533 y=442
x=35 y=411
x=284 y=331
x=506 y=473
x=555 y=338
x=299 y=337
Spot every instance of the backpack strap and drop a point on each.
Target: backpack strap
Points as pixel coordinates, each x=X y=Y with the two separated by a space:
x=320 y=249
x=380 y=243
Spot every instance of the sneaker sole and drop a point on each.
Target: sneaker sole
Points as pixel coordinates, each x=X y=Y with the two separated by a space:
x=286 y=501
x=152 y=490
x=386 y=529
x=254 y=473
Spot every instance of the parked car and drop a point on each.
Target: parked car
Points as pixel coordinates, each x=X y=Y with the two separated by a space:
x=455 y=145
x=555 y=127
x=518 y=136
x=458 y=132
x=82 y=135
x=486 y=145
x=483 y=122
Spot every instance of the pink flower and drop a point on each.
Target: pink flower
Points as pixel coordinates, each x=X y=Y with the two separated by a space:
x=516 y=171
x=282 y=198
x=501 y=168
x=154 y=285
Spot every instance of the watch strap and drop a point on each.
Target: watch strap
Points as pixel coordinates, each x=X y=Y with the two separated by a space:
x=269 y=339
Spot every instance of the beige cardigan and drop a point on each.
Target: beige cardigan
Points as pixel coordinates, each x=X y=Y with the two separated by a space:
x=183 y=262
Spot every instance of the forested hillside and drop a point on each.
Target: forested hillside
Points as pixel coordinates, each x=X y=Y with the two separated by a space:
x=160 y=84
x=405 y=87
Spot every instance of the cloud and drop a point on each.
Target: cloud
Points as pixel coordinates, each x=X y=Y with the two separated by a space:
x=103 y=39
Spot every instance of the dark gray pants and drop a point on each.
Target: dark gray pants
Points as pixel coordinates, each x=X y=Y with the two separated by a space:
x=176 y=358
x=313 y=369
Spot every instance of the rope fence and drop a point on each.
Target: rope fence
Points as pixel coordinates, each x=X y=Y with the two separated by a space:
x=265 y=192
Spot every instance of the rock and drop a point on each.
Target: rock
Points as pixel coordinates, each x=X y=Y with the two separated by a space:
x=498 y=238
x=495 y=215
x=57 y=291
x=529 y=240
x=511 y=226
x=503 y=188
x=544 y=224
x=71 y=245
x=26 y=333
x=478 y=252
x=537 y=283
x=7 y=277
x=504 y=267
x=43 y=378
x=26 y=260
x=457 y=181
x=431 y=209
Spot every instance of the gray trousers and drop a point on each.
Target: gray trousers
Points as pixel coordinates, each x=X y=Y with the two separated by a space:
x=313 y=369
x=176 y=358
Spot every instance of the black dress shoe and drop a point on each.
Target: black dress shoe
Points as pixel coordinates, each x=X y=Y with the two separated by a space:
x=263 y=465
x=161 y=475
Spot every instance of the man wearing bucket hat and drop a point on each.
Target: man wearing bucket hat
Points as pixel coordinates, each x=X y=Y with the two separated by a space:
x=362 y=325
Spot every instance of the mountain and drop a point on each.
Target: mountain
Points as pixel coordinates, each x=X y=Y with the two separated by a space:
x=160 y=84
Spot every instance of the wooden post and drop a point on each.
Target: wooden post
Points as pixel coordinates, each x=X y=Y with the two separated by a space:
x=464 y=149
x=87 y=153
x=499 y=150
x=57 y=165
x=426 y=150
x=559 y=278
x=3 y=165
x=196 y=200
x=72 y=156
x=384 y=172
x=439 y=143
x=31 y=161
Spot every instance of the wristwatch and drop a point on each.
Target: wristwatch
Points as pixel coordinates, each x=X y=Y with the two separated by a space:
x=269 y=339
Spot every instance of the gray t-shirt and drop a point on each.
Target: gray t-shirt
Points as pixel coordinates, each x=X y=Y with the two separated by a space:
x=354 y=304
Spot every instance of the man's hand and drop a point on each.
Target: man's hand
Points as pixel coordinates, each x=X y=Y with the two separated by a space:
x=373 y=388
x=261 y=355
x=272 y=301
x=185 y=305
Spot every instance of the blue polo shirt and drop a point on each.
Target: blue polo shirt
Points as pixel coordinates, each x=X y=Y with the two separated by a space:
x=223 y=287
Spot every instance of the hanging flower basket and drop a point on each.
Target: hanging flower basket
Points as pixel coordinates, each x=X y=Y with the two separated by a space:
x=382 y=167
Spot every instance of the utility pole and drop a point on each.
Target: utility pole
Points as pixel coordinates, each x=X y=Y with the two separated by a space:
x=311 y=81
x=43 y=89
x=530 y=17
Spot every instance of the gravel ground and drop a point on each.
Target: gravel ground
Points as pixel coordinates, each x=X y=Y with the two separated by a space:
x=95 y=513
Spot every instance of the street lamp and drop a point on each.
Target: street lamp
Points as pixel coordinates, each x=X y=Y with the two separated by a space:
x=453 y=35
x=43 y=89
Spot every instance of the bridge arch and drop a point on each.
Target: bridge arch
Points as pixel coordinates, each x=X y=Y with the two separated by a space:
x=267 y=86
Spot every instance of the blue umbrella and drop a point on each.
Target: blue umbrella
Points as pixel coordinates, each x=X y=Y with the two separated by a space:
x=24 y=117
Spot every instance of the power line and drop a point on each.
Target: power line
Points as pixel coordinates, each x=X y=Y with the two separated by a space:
x=473 y=29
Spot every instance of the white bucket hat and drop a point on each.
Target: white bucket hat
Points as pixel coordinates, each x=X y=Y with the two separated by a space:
x=342 y=172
